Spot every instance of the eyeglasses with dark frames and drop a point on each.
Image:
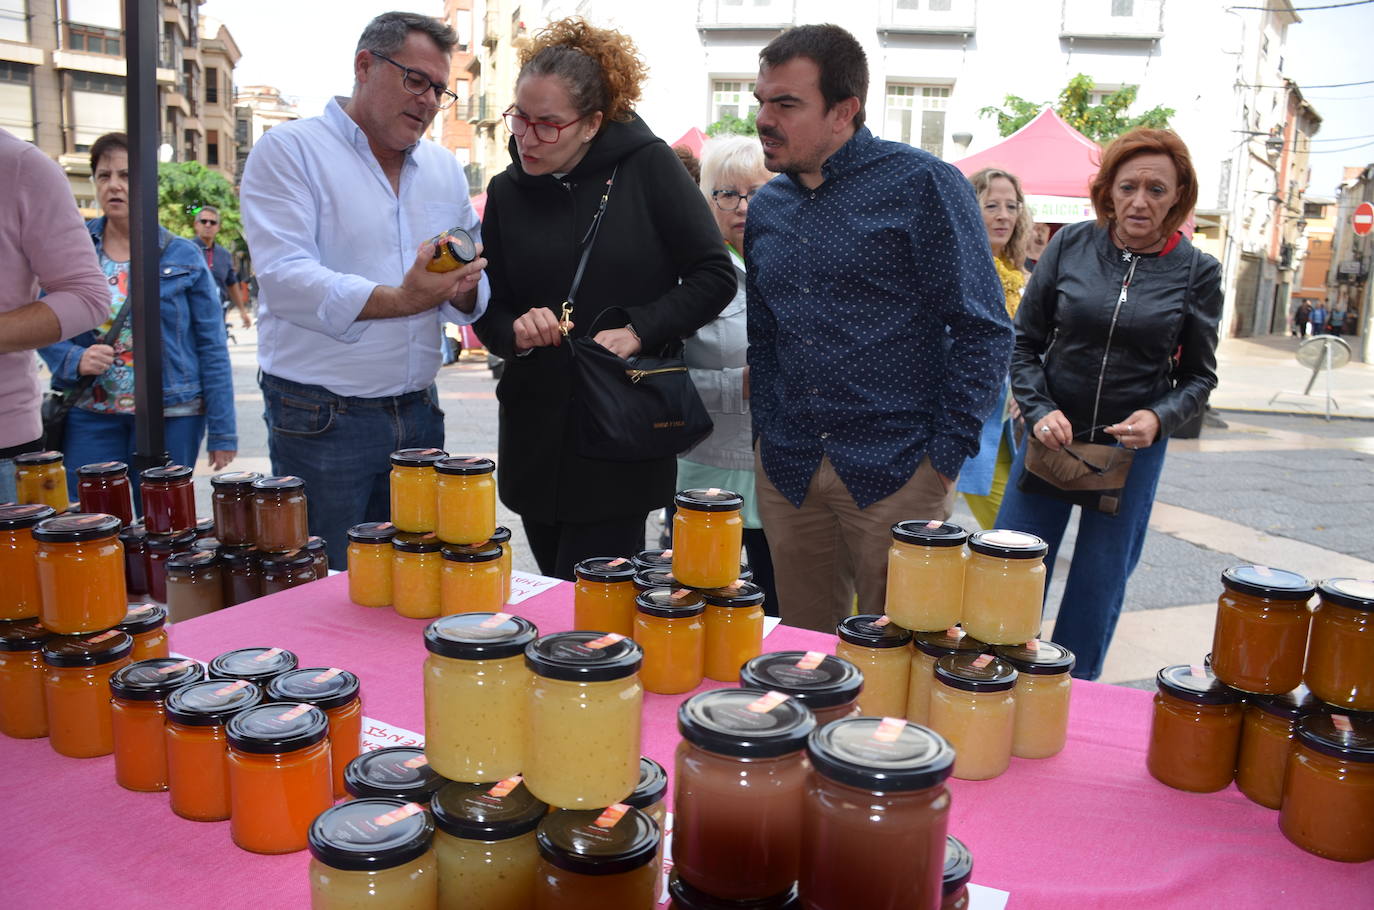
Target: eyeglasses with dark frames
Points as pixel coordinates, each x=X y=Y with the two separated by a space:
x=729 y=200
x=544 y=131
x=417 y=83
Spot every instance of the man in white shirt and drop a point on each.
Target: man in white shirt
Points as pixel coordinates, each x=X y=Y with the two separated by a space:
x=335 y=208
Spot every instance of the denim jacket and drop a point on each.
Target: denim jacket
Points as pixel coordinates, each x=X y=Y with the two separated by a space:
x=195 y=355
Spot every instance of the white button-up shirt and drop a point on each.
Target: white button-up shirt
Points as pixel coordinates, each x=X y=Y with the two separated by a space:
x=325 y=227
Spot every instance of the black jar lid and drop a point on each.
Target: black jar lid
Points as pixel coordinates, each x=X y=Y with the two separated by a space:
x=417 y=458
x=1273 y=584
x=500 y=535
x=685 y=897
x=212 y=702
x=738 y=593
x=315 y=545
x=929 y=533
x=479 y=636
x=882 y=754
x=598 y=841
x=949 y=641
x=143 y=618
x=239 y=557
x=670 y=603
x=653 y=559
x=155 y=678
x=653 y=784
x=416 y=542
x=279 y=562
x=1037 y=657
x=277 y=727
x=204 y=528
x=1197 y=685
x=135 y=534
x=23 y=635
x=49 y=457
x=654 y=578
x=1289 y=705
x=253 y=664
x=470 y=553
x=282 y=484
x=242 y=481
x=75 y=527
x=87 y=650
x=207 y=545
x=816 y=679
x=15 y=518
x=975 y=673
x=323 y=687
x=709 y=500
x=487 y=811
x=168 y=473
x=395 y=772
x=459 y=244
x=608 y=569
x=584 y=656
x=1008 y=544
x=372 y=532
x=171 y=543
x=191 y=562
x=745 y=723
x=464 y=465
x=365 y=835
x=103 y=469
x=872 y=630
x=1345 y=736
x=1355 y=593
x=958 y=865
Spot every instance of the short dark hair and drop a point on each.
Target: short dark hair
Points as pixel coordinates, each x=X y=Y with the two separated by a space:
x=386 y=33
x=838 y=55
x=105 y=144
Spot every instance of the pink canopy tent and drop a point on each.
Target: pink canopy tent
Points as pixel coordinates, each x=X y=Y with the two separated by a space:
x=693 y=139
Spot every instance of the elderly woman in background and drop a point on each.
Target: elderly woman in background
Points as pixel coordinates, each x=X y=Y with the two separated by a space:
x=1115 y=344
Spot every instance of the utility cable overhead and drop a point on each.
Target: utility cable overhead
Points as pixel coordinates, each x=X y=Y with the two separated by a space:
x=1302 y=9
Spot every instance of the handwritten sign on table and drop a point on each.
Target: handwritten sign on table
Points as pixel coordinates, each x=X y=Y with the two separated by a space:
x=523 y=586
x=378 y=734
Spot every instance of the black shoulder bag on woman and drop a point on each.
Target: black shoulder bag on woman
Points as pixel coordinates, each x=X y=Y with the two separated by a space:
x=58 y=403
x=635 y=409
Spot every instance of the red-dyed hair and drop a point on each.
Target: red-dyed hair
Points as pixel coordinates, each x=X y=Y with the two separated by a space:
x=1144 y=141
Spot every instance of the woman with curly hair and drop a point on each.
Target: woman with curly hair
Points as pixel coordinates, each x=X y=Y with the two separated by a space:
x=656 y=256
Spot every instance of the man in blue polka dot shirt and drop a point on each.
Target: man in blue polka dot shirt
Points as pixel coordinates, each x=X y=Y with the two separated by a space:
x=878 y=332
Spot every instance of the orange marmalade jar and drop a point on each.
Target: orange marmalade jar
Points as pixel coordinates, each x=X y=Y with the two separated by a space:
x=369 y=563
x=1195 y=730
x=734 y=628
x=1328 y=789
x=414 y=489
x=197 y=756
x=76 y=690
x=80 y=573
x=257 y=665
x=279 y=775
x=416 y=575
x=373 y=853
x=40 y=479
x=708 y=533
x=22 y=712
x=466 y=496
x=470 y=580
x=138 y=717
x=20 y=596
x=668 y=626
x=147 y=623
x=604 y=597
x=1340 y=659
x=1260 y=638
x=335 y=692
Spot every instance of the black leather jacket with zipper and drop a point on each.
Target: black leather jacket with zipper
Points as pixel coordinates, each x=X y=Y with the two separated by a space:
x=1098 y=354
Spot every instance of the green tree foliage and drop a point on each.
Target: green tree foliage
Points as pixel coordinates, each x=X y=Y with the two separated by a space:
x=1099 y=122
x=732 y=125
x=183 y=187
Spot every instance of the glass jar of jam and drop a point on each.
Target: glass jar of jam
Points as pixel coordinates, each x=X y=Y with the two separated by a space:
x=137 y=718
x=925 y=575
x=197 y=751
x=650 y=560
x=958 y=873
x=76 y=690
x=104 y=487
x=20 y=595
x=877 y=788
x=708 y=533
x=256 y=665
x=595 y=859
x=373 y=853
x=40 y=480
x=1004 y=586
x=80 y=573
x=604 y=595
x=830 y=686
x=134 y=537
x=147 y=623
x=485 y=844
x=206 y=545
x=417 y=575
x=279 y=776
x=470 y=580
x=205 y=529
x=195 y=585
x=336 y=693
x=1042 y=696
x=669 y=629
x=231 y=498
x=280 y=514
x=972 y=706
x=1340 y=658
x=881 y=650
x=1260 y=638
x=1266 y=738
x=319 y=555
x=734 y=628
x=476 y=695
x=928 y=647
x=685 y=897
x=281 y=571
x=369 y=563
x=23 y=714
x=1328 y=789
x=501 y=538
x=739 y=787
x=393 y=772
x=415 y=489
x=648 y=798
x=466 y=491
x=584 y=719
x=647 y=579
x=157 y=549
x=1195 y=730
x=169 y=499
x=241 y=574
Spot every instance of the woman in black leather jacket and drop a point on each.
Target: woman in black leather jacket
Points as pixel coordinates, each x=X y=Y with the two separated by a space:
x=1115 y=343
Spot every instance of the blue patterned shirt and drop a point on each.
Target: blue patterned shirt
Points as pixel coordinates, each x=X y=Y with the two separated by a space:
x=878 y=331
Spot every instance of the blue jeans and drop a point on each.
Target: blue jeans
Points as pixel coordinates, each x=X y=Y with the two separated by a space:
x=93 y=437
x=1104 y=556
x=9 y=489
x=341 y=448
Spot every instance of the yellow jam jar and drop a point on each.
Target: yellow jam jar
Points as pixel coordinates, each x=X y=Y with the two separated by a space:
x=1194 y=730
x=466 y=489
x=20 y=596
x=415 y=489
x=485 y=844
x=973 y=707
x=928 y=647
x=734 y=628
x=596 y=859
x=1340 y=657
x=369 y=563
x=1042 y=694
x=416 y=575
x=502 y=539
x=477 y=691
x=708 y=533
x=669 y=627
x=925 y=575
x=1004 y=586
x=393 y=772
x=1260 y=638
x=829 y=686
x=604 y=595
x=40 y=480
x=584 y=719
x=470 y=580
x=881 y=649
x=373 y=853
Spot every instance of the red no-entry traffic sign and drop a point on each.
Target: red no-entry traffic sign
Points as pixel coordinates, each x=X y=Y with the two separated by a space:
x=1363 y=218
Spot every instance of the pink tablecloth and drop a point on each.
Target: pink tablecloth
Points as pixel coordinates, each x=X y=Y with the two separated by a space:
x=1088 y=828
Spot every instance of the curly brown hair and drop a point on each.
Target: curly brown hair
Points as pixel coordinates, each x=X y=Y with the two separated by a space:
x=601 y=66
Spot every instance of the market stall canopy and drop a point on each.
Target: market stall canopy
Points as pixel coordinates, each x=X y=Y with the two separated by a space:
x=693 y=139
x=1054 y=163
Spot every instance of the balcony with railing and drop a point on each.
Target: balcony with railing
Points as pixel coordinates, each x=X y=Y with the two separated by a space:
x=928 y=17
x=1113 y=20
x=745 y=15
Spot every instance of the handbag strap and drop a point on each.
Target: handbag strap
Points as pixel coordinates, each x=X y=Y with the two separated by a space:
x=109 y=338
x=588 y=239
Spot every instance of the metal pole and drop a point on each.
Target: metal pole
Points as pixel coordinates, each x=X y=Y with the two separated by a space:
x=142 y=29
x=1327 y=352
